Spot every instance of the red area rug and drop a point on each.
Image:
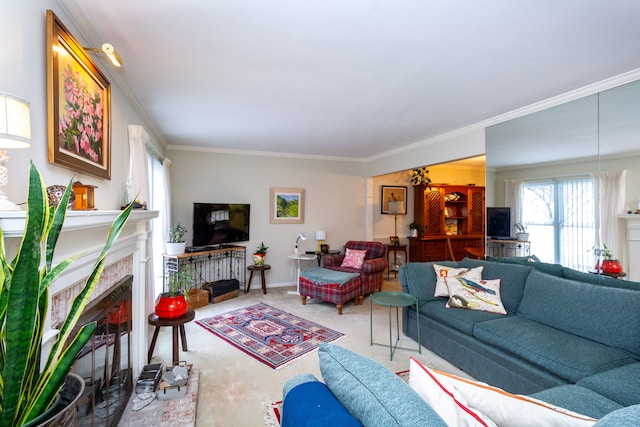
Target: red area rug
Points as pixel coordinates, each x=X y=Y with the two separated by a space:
x=272 y=336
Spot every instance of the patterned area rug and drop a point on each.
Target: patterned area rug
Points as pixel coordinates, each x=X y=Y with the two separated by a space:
x=272 y=336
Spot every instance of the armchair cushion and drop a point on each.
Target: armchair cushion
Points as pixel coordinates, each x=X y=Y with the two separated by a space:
x=353 y=258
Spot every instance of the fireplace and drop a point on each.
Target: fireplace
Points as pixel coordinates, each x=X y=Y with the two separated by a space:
x=105 y=361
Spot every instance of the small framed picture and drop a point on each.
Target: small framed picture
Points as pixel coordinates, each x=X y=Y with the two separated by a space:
x=286 y=206
x=393 y=200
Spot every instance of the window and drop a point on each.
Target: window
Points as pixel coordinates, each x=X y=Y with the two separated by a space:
x=560 y=218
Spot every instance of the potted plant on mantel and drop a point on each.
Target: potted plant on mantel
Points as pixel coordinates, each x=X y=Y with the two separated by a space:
x=176 y=245
x=260 y=254
x=173 y=302
x=29 y=393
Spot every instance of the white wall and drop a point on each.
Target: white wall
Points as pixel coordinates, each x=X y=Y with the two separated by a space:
x=23 y=73
x=334 y=199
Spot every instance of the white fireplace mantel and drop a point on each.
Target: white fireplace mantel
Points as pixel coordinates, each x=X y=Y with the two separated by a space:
x=631 y=256
x=84 y=232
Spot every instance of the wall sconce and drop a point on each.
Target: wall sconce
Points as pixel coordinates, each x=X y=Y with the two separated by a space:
x=295 y=246
x=15 y=132
x=321 y=236
x=396 y=208
x=109 y=50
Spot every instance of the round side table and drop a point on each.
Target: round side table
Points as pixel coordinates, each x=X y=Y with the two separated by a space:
x=177 y=324
x=393 y=299
x=261 y=269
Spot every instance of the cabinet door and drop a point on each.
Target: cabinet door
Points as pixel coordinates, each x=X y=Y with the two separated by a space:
x=476 y=210
x=434 y=211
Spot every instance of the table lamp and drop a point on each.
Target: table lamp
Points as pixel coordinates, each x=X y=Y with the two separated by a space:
x=295 y=246
x=15 y=132
x=321 y=236
x=396 y=207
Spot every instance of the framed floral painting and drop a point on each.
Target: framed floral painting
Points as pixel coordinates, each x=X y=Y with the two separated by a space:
x=78 y=105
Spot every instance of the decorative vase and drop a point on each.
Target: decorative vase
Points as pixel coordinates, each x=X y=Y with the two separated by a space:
x=258 y=259
x=63 y=412
x=611 y=266
x=175 y=248
x=169 y=307
x=414 y=232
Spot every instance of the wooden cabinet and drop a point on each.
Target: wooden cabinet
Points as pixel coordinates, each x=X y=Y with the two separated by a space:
x=452 y=216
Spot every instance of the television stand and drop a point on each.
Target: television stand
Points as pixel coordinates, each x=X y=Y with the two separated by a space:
x=501 y=248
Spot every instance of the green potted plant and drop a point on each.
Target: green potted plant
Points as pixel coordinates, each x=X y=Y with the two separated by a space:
x=521 y=233
x=605 y=262
x=260 y=254
x=416 y=229
x=29 y=391
x=420 y=176
x=176 y=244
x=172 y=302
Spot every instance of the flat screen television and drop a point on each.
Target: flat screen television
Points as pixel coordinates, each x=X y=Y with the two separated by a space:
x=499 y=223
x=218 y=223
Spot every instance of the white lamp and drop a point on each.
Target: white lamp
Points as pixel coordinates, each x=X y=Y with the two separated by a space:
x=396 y=207
x=15 y=132
x=321 y=236
x=295 y=246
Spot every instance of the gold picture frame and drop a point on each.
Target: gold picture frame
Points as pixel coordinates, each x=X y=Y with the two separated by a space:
x=78 y=105
x=286 y=206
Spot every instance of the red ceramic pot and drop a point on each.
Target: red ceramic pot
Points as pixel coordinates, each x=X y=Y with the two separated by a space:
x=610 y=266
x=171 y=307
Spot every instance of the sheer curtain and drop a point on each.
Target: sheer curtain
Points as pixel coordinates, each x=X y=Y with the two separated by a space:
x=513 y=198
x=609 y=195
x=160 y=201
x=138 y=179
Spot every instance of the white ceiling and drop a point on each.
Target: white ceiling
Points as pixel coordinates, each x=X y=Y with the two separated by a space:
x=351 y=78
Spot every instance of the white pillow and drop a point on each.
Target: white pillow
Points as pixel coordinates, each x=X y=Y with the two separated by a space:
x=481 y=295
x=443 y=398
x=443 y=272
x=513 y=410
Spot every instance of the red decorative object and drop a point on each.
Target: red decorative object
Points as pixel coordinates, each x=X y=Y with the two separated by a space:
x=610 y=266
x=119 y=314
x=170 y=307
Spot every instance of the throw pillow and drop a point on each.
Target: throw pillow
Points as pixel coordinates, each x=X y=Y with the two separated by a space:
x=443 y=272
x=444 y=398
x=481 y=295
x=353 y=258
x=372 y=393
x=512 y=409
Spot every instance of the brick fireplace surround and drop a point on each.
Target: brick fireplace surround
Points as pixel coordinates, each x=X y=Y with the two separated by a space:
x=85 y=232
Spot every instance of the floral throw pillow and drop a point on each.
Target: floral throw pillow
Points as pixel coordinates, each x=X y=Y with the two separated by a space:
x=353 y=258
x=443 y=272
x=482 y=295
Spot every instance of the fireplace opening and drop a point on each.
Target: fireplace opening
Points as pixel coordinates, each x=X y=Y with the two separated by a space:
x=105 y=361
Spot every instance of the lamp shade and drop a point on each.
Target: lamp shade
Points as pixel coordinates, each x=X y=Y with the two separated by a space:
x=396 y=207
x=321 y=235
x=15 y=122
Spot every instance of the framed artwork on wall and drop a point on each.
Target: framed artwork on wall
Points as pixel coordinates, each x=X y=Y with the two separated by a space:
x=286 y=206
x=398 y=198
x=78 y=105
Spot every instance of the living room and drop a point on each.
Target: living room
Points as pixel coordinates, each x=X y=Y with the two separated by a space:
x=342 y=193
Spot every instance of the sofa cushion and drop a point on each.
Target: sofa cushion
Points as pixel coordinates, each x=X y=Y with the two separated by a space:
x=353 y=258
x=599 y=279
x=553 y=269
x=444 y=272
x=372 y=393
x=313 y=404
x=444 y=398
x=296 y=381
x=462 y=320
x=420 y=279
x=565 y=355
x=581 y=308
x=625 y=417
x=578 y=399
x=620 y=384
x=512 y=279
x=480 y=295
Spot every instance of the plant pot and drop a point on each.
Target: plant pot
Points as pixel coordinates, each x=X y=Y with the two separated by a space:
x=63 y=411
x=169 y=307
x=258 y=259
x=610 y=266
x=523 y=237
x=175 y=248
x=413 y=232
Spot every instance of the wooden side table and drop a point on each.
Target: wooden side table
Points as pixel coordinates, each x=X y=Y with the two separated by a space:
x=176 y=323
x=395 y=249
x=261 y=269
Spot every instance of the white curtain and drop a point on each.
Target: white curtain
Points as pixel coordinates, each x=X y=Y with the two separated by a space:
x=166 y=189
x=513 y=198
x=609 y=188
x=138 y=180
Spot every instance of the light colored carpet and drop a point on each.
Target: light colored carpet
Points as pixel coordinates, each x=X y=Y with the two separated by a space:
x=233 y=384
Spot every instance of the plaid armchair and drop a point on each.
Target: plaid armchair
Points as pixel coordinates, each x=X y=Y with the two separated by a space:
x=372 y=270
